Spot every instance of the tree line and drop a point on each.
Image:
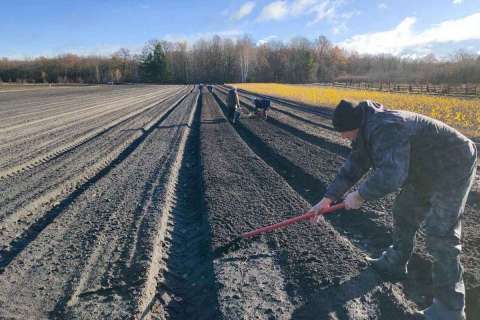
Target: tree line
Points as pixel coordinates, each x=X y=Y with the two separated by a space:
x=223 y=60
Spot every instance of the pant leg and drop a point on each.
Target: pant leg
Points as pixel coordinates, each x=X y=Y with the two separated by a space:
x=236 y=116
x=409 y=211
x=443 y=230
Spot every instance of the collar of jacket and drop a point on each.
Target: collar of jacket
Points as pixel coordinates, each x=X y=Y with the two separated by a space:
x=368 y=107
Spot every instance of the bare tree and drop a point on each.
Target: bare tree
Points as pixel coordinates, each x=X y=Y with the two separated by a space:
x=226 y=60
x=245 y=50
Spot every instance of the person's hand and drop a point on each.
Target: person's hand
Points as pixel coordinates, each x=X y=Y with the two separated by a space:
x=318 y=218
x=353 y=200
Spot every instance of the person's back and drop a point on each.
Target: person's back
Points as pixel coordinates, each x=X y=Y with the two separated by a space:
x=432 y=143
x=232 y=98
x=262 y=103
x=261 y=106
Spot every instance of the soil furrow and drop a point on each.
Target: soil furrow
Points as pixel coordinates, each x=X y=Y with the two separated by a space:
x=138 y=255
x=82 y=256
x=38 y=147
x=27 y=195
x=21 y=227
x=185 y=285
x=25 y=109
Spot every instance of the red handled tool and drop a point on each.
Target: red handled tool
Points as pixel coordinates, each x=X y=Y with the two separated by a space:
x=283 y=224
x=235 y=243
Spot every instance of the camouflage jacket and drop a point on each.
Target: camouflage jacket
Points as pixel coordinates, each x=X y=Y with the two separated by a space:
x=399 y=147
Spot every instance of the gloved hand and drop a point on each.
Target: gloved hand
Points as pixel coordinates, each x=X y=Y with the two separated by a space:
x=319 y=219
x=353 y=200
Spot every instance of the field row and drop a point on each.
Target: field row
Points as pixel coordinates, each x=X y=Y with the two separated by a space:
x=84 y=225
x=38 y=129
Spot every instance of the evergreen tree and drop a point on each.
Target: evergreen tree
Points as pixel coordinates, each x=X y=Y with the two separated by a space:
x=153 y=63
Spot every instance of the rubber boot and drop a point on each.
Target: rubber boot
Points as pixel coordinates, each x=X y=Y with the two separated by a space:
x=437 y=311
x=390 y=265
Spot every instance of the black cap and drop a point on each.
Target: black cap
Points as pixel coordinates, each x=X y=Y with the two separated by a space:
x=347 y=116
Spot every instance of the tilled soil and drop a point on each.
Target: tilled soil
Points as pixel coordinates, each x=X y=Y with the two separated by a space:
x=292 y=138
x=117 y=203
x=99 y=253
x=59 y=124
x=28 y=198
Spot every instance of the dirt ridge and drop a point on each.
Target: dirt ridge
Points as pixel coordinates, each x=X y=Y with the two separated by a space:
x=7 y=173
x=20 y=242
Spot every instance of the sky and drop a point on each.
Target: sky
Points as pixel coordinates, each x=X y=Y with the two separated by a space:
x=31 y=28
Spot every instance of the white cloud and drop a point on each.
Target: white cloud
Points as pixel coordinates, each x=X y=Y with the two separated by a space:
x=402 y=37
x=316 y=10
x=350 y=14
x=340 y=28
x=457 y=1
x=300 y=6
x=276 y=10
x=266 y=40
x=244 y=10
x=382 y=5
x=323 y=10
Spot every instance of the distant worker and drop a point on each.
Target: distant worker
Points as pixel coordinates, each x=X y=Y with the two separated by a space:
x=261 y=107
x=233 y=105
x=210 y=88
x=434 y=167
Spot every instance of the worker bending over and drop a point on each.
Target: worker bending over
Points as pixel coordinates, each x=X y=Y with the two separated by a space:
x=261 y=107
x=433 y=166
x=233 y=105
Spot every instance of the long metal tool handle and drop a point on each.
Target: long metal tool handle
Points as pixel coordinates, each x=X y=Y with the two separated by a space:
x=302 y=217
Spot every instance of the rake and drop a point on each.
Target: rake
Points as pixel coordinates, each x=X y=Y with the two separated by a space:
x=236 y=243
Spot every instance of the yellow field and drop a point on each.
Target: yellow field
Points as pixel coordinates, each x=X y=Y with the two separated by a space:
x=463 y=114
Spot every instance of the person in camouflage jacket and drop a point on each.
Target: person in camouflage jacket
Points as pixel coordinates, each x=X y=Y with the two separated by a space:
x=433 y=166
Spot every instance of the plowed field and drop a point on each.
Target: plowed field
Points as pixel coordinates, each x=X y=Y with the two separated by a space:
x=113 y=199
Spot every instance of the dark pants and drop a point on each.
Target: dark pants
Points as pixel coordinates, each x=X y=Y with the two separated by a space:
x=440 y=204
x=231 y=112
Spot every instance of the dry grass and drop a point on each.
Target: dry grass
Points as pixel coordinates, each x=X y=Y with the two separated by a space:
x=463 y=114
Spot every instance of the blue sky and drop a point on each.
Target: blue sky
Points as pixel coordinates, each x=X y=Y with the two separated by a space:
x=31 y=28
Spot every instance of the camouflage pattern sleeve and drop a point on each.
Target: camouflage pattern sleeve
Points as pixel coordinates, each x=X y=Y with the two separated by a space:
x=391 y=160
x=354 y=168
